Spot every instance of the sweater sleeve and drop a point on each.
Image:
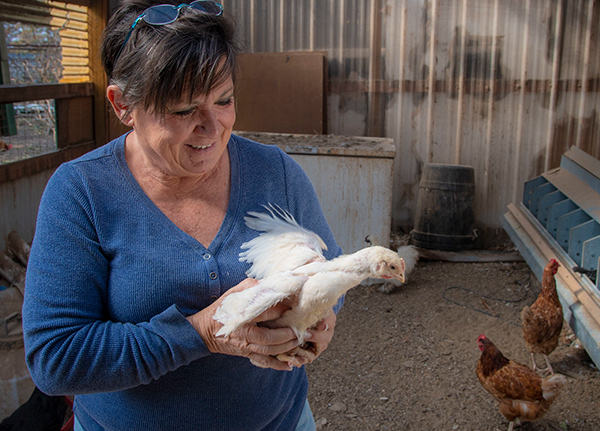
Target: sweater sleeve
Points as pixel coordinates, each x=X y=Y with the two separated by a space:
x=71 y=345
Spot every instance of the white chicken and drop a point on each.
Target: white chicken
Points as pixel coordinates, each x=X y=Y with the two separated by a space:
x=410 y=255
x=288 y=261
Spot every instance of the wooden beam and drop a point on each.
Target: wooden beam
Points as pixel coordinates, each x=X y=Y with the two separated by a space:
x=375 y=119
x=24 y=93
x=470 y=86
x=97 y=19
x=34 y=165
x=74 y=121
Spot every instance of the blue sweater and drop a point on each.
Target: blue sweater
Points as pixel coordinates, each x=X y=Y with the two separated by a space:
x=111 y=280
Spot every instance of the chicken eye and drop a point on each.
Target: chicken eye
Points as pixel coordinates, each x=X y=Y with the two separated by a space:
x=393 y=267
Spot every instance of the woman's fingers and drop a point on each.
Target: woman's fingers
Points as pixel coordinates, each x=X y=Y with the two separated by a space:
x=270 y=362
x=272 y=313
x=323 y=331
x=263 y=341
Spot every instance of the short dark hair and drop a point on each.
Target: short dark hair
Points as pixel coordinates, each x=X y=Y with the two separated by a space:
x=163 y=64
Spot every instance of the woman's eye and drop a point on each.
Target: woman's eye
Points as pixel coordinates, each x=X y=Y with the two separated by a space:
x=184 y=113
x=226 y=102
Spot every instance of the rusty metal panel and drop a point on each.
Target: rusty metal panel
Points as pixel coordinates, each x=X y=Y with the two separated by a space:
x=500 y=91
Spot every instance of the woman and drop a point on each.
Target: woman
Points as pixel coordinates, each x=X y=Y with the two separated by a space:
x=137 y=243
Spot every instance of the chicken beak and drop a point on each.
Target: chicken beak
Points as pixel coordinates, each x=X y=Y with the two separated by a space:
x=400 y=277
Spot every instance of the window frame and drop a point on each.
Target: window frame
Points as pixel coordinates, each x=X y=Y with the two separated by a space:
x=82 y=115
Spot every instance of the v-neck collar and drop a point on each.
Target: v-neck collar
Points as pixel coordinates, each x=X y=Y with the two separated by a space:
x=232 y=207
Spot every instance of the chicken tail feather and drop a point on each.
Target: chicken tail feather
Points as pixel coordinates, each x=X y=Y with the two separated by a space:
x=282 y=245
x=526 y=315
x=410 y=255
x=551 y=385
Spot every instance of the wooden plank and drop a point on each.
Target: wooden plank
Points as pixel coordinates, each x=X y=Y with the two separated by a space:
x=470 y=86
x=375 y=117
x=97 y=17
x=470 y=256
x=34 y=165
x=24 y=93
x=71 y=79
x=576 y=190
x=326 y=145
x=88 y=3
x=282 y=92
x=583 y=166
x=74 y=121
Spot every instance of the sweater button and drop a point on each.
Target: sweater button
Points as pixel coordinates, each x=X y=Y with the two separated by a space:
x=213 y=298
x=213 y=275
x=206 y=256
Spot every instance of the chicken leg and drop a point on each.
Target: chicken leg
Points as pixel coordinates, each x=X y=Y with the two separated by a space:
x=308 y=350
x=542 y=370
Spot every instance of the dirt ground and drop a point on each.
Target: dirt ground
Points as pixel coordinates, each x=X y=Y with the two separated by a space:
x=406 y=360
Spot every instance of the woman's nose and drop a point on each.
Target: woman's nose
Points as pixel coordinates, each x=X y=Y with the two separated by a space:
x=208 y=122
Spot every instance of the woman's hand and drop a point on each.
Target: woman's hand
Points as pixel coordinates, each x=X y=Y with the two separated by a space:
x=314 y=344
x=259 y=344
x=323 y=333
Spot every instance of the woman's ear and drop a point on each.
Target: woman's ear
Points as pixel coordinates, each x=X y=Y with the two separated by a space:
x=116 y=99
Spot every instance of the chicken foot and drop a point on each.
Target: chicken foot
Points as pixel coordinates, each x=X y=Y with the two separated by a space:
x=542 y=370
x=300 y=355
x=514 y=424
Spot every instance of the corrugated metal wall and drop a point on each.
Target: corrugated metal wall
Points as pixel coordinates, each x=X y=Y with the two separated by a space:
x=505 y=86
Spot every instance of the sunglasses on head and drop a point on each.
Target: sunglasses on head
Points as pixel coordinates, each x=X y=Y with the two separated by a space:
x=164 y=14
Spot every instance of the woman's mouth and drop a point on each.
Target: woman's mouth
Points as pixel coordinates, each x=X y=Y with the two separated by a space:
x=201 y=147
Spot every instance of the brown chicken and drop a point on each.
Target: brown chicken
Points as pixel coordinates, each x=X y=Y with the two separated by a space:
x=543 y=321
x=4 y=146
x=521 y=393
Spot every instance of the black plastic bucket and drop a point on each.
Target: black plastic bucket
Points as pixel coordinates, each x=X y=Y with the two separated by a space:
x=444 y=217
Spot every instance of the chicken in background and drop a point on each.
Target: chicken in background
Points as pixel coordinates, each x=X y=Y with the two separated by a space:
x=288 y=261
x=542 y=322
x=410 y=255
x=521 y=393
x=589 y=273
x=4 y=146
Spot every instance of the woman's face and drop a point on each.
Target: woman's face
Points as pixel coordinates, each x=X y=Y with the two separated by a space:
x=192 y=137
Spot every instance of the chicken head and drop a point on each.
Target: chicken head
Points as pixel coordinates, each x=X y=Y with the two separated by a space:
x=386 y=264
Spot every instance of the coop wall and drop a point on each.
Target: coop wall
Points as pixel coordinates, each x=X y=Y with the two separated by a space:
x=503 y=86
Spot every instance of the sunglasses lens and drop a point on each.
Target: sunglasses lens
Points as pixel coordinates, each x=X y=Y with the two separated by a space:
x=161 y=14
x=209 y=7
